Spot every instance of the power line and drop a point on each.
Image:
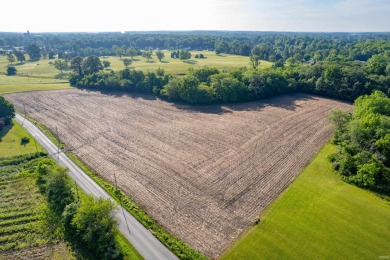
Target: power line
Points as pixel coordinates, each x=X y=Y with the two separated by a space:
x=120 y=202
x=24 y=118
x=58 y=146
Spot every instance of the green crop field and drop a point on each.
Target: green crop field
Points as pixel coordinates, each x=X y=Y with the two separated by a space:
x=24 y=226
x=10 y=144
x=319 y=216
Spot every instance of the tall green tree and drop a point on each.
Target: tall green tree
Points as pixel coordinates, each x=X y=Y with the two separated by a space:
x=127 y=62
x=132 y=52
x=95 y=223
x=10 y=58
x=20 y=56
x=7 y=110
x=120 y=52
x=184 y=55
x=254 y=61
x=34 y=52
x=76 y=65
x=160 y=55
x=91 y=64
x=58 y=189
x=147 y=55
x=61 y=65
x=377 y=64
x=106 y=64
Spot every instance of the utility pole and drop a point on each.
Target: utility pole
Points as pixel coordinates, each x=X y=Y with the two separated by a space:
x=77 y=191
x=120 y=203
x=58 y=146
x=116 y=185
x=36 y=148
x=24 y=108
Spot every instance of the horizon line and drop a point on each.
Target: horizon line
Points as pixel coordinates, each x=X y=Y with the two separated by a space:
x=197 y=30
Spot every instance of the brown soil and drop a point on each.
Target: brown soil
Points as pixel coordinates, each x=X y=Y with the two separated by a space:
x=204 y=173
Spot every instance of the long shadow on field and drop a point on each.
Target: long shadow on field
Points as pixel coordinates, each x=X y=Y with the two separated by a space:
x=207 y=109
x=5 y=130
x=288 y=102
x=122 y=94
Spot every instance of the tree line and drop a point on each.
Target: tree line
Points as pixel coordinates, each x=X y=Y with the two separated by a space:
x=7 y=112
x=363 y=140
x=87 y=223
x=342 y=80
x=271 y=46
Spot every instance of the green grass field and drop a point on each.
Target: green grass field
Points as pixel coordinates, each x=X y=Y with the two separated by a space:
x=30 y=77
x=39 y=68
x=319 y=217
x=10 y=144
x=177 y=66
x=14 y=88
x=40 y=75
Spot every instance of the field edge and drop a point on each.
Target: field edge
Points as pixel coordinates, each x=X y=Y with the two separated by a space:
x=169 y=240
x=322 y=154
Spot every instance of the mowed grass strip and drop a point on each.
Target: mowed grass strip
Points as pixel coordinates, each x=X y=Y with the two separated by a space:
x=10 y=144
x=26 y=79
x=319 y=216
x=15 y=88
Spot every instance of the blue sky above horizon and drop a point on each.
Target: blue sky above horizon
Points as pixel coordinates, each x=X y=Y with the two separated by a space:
x=152 y=15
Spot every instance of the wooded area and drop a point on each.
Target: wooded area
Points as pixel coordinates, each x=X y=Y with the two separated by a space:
x=363 y=137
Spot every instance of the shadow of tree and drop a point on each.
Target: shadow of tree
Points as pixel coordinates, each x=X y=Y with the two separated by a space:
x=5 y=130
x=192 y=62
x=120 y=93
x=287 y=101
x=61 y=75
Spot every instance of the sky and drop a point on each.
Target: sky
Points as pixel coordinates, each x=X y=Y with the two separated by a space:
x=166 y=15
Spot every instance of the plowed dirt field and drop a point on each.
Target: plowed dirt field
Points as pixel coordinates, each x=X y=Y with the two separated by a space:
x=204 y=173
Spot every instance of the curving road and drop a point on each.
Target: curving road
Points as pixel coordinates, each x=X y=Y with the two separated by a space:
x=141 y=238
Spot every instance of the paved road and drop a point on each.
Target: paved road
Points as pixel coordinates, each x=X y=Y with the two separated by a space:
x=141 y=238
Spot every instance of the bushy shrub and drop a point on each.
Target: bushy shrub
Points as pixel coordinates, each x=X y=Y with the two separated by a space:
x=11 y=70
x=24 y=140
